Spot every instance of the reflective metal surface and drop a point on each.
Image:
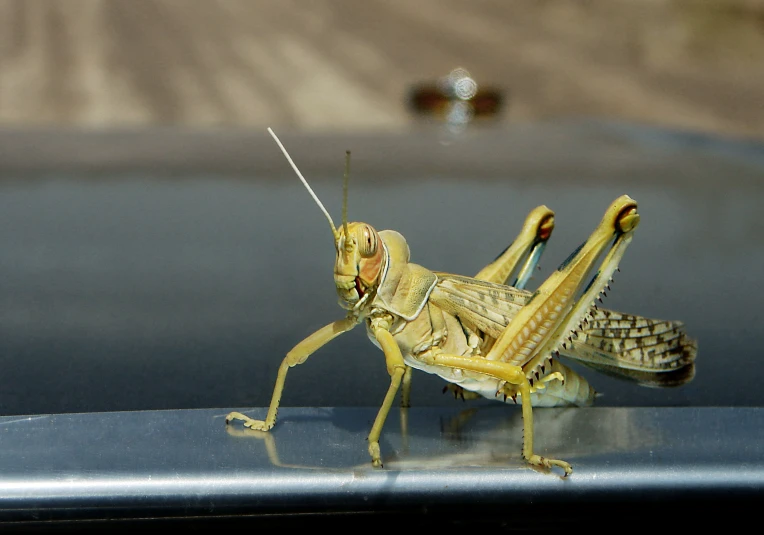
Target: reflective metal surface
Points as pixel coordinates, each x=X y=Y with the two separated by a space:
x=188 y=463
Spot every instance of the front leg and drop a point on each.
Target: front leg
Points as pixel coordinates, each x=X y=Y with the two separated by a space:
x=296 y=356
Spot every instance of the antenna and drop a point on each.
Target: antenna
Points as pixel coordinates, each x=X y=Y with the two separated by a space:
x=345 y=180
x=305 y=182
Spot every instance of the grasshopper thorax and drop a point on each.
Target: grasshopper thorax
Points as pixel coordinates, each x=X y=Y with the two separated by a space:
x=360 y=257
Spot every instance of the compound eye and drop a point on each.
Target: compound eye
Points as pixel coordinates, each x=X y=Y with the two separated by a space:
x=367 y=245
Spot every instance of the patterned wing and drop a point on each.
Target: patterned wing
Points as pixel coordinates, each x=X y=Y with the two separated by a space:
x=648 y=351
x=485 y=305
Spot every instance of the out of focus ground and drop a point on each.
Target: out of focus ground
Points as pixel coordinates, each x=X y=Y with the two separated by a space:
x=345 y=65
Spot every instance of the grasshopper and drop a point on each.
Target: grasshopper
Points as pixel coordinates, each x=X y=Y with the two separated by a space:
x=485 y=337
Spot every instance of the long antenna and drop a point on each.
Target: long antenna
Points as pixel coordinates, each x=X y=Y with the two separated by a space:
x=345 y=193
x=305 y=182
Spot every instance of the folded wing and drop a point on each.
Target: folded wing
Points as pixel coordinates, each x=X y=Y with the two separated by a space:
x=650 y=352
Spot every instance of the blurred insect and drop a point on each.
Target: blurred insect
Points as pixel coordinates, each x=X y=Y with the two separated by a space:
x=487 y=338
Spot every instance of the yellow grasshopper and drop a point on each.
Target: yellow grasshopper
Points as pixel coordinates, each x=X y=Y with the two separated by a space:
x=487 y=338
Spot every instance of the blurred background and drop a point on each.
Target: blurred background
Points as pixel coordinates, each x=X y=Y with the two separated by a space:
x=156 y=251
x=341 y=65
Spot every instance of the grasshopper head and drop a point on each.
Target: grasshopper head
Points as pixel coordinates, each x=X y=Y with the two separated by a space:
x=360 y=253
x=360 y=257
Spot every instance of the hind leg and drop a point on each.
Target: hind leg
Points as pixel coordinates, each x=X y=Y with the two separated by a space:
x=528 y=246
x=513 y=375
x=555 y=309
